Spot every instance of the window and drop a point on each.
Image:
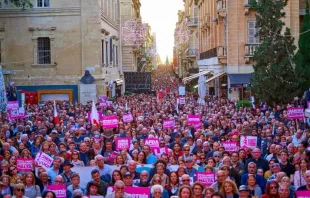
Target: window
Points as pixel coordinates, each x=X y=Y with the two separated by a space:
x=111 y=51
x=43 y=3
x=0 y=3
x=252 y=33
x=44 y=51
x=116 y=54
x=102 y=48
x=107 y=51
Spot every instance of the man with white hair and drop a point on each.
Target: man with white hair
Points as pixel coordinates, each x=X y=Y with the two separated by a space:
x=119 y=191
x=24 y=139
x=157 y=190
x=104 y=169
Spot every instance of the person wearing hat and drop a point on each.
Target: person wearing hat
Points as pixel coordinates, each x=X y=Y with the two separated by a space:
x=177 y=139
x=128 y=180
x=92 y=189
x=190 y=170
x=244 y=191
x=67 y=173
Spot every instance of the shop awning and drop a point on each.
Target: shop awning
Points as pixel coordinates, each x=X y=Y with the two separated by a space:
x=239 y=79
x=214 y=77
x=119 y=82
x=189 y=78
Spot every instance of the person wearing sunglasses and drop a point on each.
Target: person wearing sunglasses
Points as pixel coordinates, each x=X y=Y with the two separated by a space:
x=19 y=191
x=272 y=190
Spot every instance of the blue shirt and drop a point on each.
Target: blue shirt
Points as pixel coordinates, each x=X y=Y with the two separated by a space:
x=52 y=174
x=106 y=169
x=151 y=159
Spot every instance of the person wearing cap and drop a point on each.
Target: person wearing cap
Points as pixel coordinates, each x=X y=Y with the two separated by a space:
x=177 y=139
x=244 y=191
x=190 y=170
x=67 y=173
x=128 y=180
x=275 y=169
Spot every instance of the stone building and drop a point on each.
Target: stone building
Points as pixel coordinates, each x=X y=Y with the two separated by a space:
x=227 y=42
x=50 y=46
x=129 y=10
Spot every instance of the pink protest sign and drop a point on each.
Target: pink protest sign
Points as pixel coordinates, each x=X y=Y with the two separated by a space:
x=109 y=103
x=193 y=119
x=308 y=104
x=122 y=143
x=109 y=122
x=59 y=190
x=230 y=146
x=248 y=141
x=103 y=104
x=17 y=113
x=198 y=125
x=153 y=143
x=296 y=113
x=111 y=156
x=12 y=105
x=158 y=152
x=206 y=179
x=303 y=194
x=24 y=165
x=99 y=114
x=168 y=124
x=44 y=160
x=138 y=191
x=127 y=118
x=181 y=100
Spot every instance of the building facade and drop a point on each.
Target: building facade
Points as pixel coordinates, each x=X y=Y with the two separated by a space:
x=50 y=46
x=227 y=42
x=129 y=10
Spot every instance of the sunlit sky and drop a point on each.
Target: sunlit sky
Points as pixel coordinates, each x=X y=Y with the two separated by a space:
x=162 y=16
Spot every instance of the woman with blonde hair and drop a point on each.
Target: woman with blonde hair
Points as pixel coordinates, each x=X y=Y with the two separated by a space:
x=185 y=192
x=31 y=189
x=229 y=189
x=19 y=191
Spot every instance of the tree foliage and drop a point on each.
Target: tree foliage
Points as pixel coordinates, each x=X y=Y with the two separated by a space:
x=274 y=78
x=302 y=57
x=20 y=3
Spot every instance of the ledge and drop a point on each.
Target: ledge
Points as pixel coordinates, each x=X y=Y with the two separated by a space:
x=43 y=65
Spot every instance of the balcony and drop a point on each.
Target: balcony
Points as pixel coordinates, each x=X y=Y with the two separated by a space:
x=221 y=8
x=249 y=50
x=222 y=54
x=192 y=53
x=208 y=54
x=192 y=22
x=247 y=6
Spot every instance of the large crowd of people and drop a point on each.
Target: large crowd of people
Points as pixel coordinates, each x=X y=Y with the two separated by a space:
x=86 y=161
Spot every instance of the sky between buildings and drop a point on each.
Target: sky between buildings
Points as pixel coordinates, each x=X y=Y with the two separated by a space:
x=162 y=16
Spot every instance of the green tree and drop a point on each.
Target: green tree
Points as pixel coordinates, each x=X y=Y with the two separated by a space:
x=302 y=57
x=20 y=3
x=274 y=78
